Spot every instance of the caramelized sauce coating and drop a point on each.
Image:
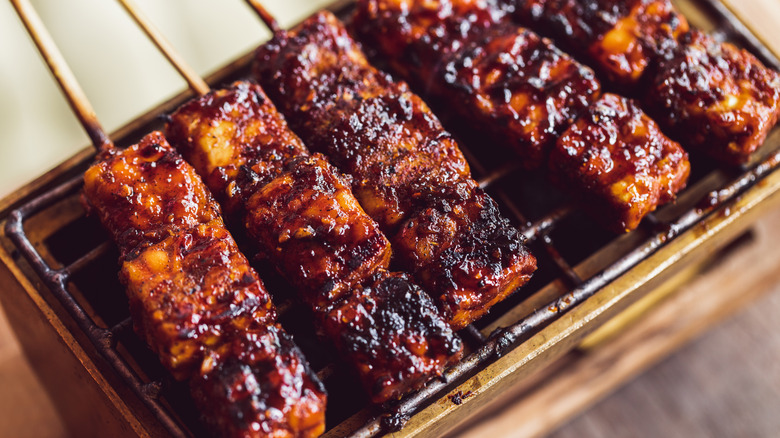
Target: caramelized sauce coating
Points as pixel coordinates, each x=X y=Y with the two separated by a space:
x=308 y=222
x=716 y=98
x=259 y=139
x=412 y=36
x=145 y=193
x=340 y=105
x=518 y=87
x=619 y=163
x=461 y=247
x=390 y=143
x=192 y=292
x=620 y=38
x=304 y=218
x=260 y=386
x=393 y=334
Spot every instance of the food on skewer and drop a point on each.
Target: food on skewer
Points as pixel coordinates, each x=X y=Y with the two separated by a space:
x=521 y=86
x=195 y=299
x=620 y=38
x=412 y=36
x=302 y=215
x=715 y=98
x=513 y=82
x=709 y=95
x=407 y=171
x=618 y=161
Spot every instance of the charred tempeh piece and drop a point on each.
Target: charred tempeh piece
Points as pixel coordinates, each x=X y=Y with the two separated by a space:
x=393 y=333
x=193 y=295
x=400 y=159
x=716 y=98
x=620 y=38
x=412 y=36
x=239 y=384
x=301 y=213
x=619 y=163
x=507 y=81
x=519 y=85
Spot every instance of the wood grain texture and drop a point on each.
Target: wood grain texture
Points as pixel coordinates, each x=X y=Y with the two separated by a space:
x=762 y=17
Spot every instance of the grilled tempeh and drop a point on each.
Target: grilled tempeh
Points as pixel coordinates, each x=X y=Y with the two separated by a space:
x=715 y=98
x=193 y=295
x=401 y=161
x=302 y=215
x=520 y=88
x=709 y=95
x=620 y=38
x=617 y=160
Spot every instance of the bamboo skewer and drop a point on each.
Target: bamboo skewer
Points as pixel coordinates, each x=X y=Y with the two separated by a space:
x=266 y=16
x=62 y=74
x=195 y=82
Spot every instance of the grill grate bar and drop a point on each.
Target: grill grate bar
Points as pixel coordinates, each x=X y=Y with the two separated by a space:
x=573 y=278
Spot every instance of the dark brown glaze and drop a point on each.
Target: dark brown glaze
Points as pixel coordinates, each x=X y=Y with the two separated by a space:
x=260 y=386
x=308 y=222
x=462 y=248
x=619 y=38
x=716 y=98
x=519 y=88
x=392 y=332
x=192 y=294
x=619 y=163
x=303 y=217
x=145 y=193
x=390 y=143
x=258 y=134
x=347 y=106
x=412 y=37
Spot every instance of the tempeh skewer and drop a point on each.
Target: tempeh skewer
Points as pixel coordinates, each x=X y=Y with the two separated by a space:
x=303 y=217
x=193 y=296
x=407 y=171
x=514 y=83
x=709 y=95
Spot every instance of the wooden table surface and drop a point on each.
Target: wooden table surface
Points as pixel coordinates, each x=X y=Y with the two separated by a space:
x=726 y=383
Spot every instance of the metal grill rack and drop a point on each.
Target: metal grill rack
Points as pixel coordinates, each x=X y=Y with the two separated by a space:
x=576 y=260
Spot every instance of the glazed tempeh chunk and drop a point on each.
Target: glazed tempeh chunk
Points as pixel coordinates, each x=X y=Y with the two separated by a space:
x=303 y=217
x=716 y=98
x=309 y=223
x=339 y=104
x=145 y=193
x=259 y=139
x=413 y=36
x=191 y=292
x=519 y=87
x=384 y=136
x=619 y=163
x=463 y=249
x=620 y=38
x=260 y=386
x=393 y=334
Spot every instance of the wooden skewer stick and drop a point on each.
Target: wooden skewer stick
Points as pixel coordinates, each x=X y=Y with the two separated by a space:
x=62 y=74
x=266 y=16
x=195 y=82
